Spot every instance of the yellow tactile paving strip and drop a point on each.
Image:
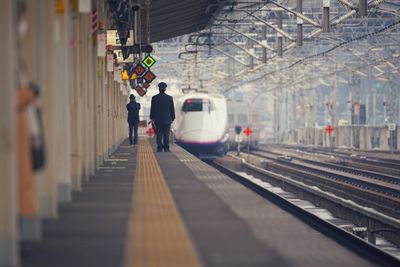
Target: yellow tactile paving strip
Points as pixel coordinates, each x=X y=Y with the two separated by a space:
x=157 y=236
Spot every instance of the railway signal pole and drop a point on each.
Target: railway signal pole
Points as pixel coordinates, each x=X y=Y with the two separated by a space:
x=238 y=138
x=248 y=132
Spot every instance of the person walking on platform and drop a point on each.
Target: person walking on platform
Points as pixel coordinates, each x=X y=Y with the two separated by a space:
x=133 y=119
x=162 y=112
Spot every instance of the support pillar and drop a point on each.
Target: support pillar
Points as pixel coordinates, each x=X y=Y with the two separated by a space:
x=75 y=110
x=47 y=183
x=61 y=89
x=30 y=226
x=8 y=183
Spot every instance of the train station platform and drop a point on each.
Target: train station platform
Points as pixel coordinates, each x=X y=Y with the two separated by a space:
x=143 y=208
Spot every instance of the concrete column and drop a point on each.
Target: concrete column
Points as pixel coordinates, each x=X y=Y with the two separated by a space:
x=107 y=126
x=8 y=148
x=362 y=137
x=85 y=57
x=61 y=87
x=97 y=111
x=92 y=71
x=104 y=115
x=76 y=117
x=110 y=117
x=30 y=227
x=398 y=137
x=113 y=121
x=368 y=130
x=383 y=137
x=47 y=184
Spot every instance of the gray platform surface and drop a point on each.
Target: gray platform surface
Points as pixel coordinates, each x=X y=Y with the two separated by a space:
x=232 y=226
x=228 y=224
x=91 y=230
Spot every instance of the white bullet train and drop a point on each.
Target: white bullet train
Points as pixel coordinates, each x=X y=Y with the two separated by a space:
x=201 y=124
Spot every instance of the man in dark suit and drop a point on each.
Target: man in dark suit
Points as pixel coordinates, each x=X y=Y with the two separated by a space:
x=162 y=112
x=133 y=119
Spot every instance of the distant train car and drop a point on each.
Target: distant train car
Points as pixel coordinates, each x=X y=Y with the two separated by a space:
x=201 y=124
x=244 y=115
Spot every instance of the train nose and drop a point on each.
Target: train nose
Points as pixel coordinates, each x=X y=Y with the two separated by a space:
x=199 y=136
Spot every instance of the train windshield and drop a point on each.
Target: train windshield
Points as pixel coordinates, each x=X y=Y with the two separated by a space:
x=197 y=105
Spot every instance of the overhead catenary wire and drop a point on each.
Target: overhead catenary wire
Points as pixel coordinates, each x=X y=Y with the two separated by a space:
x=324 y=53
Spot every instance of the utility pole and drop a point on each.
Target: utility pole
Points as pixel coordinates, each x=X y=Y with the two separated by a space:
x=302 y=109
x=325 y=18
x=294 y=111
x=280 y=37
x=264 y=40
x=299 y=23
x=373 y=106
x=332 y=103
x=251 y=58
x=363 y=7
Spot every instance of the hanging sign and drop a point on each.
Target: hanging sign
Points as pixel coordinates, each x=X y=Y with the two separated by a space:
x=392 y=127
x=133 y=76
x=85 y=6
x=120 y=58
x=110 y=62
x=149 y=61
x=125 y=75
x=140 y=90
x=101 y=45
x=118 y=74
x=139 y=69
x=149 y=76
x=238 y=138
x=113 y=38
x=59 y=7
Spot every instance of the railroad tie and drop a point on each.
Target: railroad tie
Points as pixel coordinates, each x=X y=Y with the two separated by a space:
x=156 y=234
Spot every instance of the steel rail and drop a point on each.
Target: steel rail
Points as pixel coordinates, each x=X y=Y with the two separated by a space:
x=345 y=238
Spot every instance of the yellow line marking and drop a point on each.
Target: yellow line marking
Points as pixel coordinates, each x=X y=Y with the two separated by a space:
x=156 y=234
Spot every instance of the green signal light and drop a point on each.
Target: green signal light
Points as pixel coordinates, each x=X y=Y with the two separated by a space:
x=149 y=61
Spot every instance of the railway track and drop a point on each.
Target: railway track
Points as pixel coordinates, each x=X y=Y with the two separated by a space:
x=346 y=169
x=361 y=160
x=337 y=233
x=382 y=195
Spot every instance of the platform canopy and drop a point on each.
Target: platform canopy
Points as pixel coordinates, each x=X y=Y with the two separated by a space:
x=171 y=18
